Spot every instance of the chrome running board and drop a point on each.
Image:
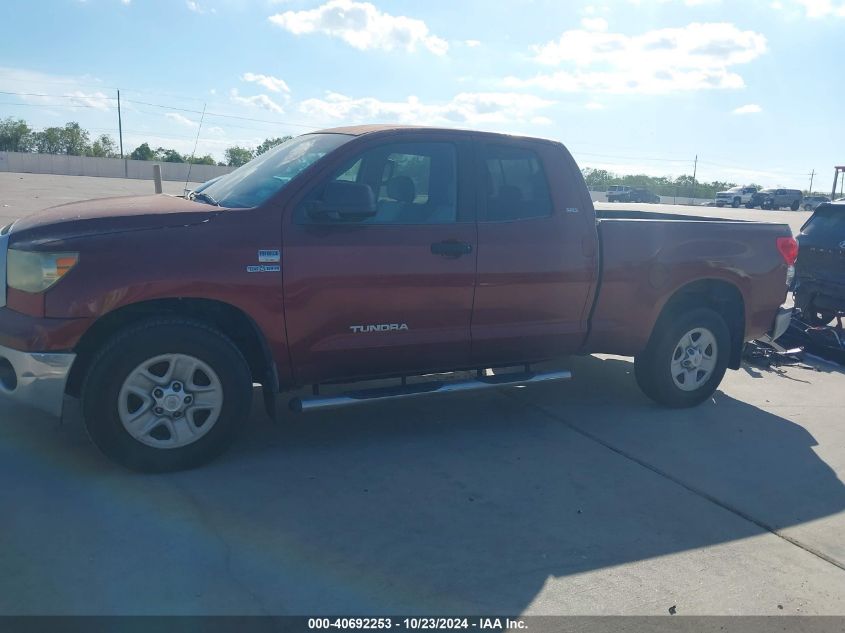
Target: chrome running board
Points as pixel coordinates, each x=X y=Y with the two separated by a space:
x=363 y=396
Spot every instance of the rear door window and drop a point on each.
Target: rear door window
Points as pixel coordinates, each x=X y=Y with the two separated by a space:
x=514 y=184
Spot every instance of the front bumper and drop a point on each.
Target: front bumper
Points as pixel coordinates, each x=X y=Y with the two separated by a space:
x=34 y=379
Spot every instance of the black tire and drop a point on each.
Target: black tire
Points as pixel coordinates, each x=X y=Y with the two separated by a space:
x=749 y=205
x=735 y=204
x=147 y=340
x=795 y=205
x=652 y=368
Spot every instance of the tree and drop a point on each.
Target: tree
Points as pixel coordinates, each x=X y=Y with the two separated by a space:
x=16 y=135
x=142 y=152
x=270 y=143
x=75 y=139
x=50 y=140
x=103 y=147
x=596 y=178
x=204 y=160
x=169 y=155
x=237 y=156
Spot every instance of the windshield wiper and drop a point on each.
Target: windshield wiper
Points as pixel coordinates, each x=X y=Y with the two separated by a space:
x=204 y=197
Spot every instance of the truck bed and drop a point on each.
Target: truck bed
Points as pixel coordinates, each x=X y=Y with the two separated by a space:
x=645 y=257
x=635 y=214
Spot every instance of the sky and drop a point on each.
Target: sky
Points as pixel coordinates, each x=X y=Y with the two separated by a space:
x=754 y=89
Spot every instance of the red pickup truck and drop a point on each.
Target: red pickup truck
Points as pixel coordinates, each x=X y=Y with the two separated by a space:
x=359 y=253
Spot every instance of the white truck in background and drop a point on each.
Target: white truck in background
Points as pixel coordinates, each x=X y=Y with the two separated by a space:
x=735 y=196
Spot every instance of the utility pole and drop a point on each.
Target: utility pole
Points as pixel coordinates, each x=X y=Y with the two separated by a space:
x=694 y=171
x=119 y=124
x=812 y=175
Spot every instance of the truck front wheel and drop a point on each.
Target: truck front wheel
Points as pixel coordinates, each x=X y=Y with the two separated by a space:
x=166 y=394
x=686 y=359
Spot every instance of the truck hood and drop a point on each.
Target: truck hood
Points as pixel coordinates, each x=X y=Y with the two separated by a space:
x=110 y=215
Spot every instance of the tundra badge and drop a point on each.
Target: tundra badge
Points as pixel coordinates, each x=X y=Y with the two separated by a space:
x=382 y=327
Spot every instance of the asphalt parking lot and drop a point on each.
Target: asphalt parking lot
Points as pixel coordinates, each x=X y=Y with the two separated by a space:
x=573 y=498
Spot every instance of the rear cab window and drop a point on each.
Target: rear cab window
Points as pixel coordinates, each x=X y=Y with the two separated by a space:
x=513 y=184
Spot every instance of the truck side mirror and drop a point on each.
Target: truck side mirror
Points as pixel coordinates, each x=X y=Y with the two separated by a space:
x=344 y=201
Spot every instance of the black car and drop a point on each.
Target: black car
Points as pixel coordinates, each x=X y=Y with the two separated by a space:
x=820 y=269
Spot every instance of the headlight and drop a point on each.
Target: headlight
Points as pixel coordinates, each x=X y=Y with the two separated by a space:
x=35 y=272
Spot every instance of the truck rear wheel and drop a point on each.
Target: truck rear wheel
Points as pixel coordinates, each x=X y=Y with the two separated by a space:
x=736 y=203
x=795 y=204
x=166 y=394
x=686 y=358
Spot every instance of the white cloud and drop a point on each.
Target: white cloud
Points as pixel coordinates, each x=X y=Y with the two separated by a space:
x=751 y=108
x=196 y=7
x=698 y=56
x=273 y=84
x=126 y=1
x=689 y=3
x=63 y=90
x=97 y=100
x=594 y=24
x=180 y=119
x=500 y=108
x=472 y=43
x=595 y=105
x=362 y=26
x=822 y=8
x=260 y=101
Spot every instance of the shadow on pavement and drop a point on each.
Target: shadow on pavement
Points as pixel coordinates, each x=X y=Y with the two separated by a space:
x=465 y=503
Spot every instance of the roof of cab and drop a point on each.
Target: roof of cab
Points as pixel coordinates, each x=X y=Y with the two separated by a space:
x=360 y=130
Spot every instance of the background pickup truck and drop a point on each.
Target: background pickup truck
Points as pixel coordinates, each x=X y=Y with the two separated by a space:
x=735 y=196
x=360 y=253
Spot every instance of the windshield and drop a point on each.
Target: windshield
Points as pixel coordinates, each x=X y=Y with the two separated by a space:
x=735 y=190
x=263 y=177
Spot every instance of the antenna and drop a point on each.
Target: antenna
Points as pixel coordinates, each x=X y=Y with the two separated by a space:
x=196 y=142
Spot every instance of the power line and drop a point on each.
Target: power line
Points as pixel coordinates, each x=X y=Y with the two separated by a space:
x=70 y=82
x=55 y=105
x=146 y=103
x=41 y=94
x=662 y=160
x=225 y=116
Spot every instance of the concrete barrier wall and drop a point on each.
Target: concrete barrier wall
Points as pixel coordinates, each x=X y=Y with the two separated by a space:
x=104 y=167
x=601 y=196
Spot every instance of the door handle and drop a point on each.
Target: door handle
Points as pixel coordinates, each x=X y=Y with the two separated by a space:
x=451 y=248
